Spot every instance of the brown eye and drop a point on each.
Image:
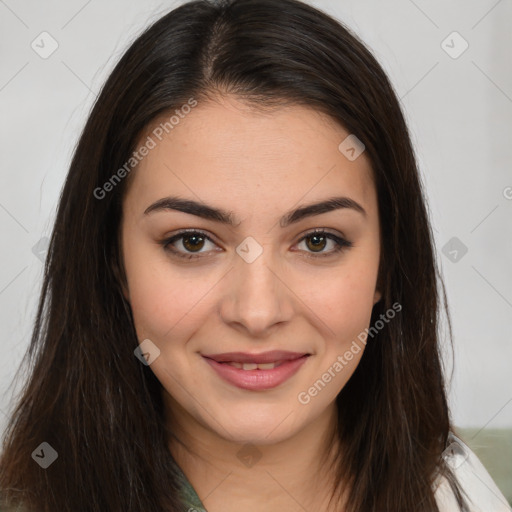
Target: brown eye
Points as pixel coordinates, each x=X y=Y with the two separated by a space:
x=318 y=242
x=193 y=242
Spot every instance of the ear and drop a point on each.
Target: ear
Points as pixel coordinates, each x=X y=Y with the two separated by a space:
x=381 y=283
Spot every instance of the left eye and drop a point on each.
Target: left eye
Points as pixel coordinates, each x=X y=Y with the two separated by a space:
x=318 y=240
x=193 y=241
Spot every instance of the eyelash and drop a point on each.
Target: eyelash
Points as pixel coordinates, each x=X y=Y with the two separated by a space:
x=341 y=243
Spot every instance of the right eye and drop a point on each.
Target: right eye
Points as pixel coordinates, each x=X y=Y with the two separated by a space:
x=190 y=241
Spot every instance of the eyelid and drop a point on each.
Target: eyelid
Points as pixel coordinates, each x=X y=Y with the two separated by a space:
x=329 y=231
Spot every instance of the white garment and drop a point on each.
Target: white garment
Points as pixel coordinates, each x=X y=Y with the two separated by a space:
x=483 y=494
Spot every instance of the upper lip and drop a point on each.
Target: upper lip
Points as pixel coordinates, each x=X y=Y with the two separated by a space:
x=263 y=357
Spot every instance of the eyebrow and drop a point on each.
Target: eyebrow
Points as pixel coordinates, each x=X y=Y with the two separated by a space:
x=225 y=217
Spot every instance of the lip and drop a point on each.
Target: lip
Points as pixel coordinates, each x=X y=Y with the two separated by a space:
x=263 y=357
x=258 y=380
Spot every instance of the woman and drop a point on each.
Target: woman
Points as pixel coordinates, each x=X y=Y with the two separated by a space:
x=240 y=298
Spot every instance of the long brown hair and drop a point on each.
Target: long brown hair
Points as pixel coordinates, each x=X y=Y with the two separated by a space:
x=90 y=399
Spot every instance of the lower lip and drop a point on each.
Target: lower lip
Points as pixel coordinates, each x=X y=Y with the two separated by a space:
x=257 y=380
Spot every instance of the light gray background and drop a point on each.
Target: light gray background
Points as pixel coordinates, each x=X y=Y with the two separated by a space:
x=459 y=111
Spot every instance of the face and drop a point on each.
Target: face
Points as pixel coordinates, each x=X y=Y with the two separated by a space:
x=291 y=292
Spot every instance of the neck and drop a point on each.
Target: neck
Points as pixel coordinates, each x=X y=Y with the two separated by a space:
x=293 y=474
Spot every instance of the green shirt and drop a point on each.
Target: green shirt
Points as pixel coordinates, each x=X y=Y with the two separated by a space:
x=483 y=493
x=189 y=497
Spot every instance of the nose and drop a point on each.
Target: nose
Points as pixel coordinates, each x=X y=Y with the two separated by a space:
x=257 y=296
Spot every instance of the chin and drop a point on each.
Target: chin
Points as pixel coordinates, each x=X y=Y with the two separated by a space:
x=258 y=428
x=253 y=436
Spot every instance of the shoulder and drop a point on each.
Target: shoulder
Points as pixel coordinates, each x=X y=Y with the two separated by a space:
x=479 y=488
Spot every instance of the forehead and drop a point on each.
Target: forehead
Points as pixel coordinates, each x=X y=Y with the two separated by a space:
x=226 y=149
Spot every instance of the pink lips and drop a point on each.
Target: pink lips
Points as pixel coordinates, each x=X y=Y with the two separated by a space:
x=256 y=380
x=264 y=357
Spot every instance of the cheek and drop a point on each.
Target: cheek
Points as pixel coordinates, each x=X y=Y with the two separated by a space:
x=157 y=304
x=150 y=293
x=344 y=306
x=345 y=302
x=164 y=301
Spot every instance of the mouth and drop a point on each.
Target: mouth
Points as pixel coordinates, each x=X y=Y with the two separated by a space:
x=254 y=366
x=272 y=356
x=256 y=371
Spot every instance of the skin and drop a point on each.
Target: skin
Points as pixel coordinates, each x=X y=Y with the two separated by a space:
x=258 y=166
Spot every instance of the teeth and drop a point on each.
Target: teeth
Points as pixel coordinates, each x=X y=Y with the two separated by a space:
x=267 y=366
x=254 y=366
